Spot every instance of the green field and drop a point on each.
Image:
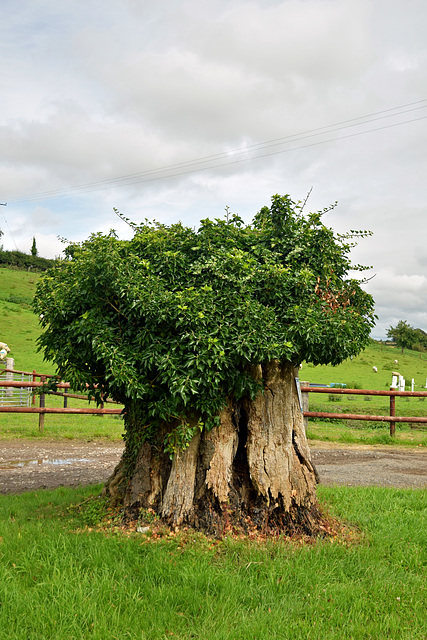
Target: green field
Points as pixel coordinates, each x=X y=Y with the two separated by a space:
x=19 y=327
x=358 y=374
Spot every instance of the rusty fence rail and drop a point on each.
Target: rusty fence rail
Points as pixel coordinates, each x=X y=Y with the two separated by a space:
x=42 y=409
x=391 y=418
x=305 y=390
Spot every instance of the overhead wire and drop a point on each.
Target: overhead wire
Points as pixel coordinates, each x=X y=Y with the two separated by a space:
x=228 y=158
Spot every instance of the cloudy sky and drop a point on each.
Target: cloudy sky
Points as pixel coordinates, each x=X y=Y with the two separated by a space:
x=174 y=109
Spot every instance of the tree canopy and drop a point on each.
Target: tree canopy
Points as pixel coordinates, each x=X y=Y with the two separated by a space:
x=408 y=337
x=174 y=317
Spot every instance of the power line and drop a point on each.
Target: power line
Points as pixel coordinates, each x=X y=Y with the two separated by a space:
x=4 y=204
x=194 y=166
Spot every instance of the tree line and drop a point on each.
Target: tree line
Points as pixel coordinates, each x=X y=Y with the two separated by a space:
x=408 y=337
x=21 y=260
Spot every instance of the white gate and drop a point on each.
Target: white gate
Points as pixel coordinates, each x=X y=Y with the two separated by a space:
x=14 y=396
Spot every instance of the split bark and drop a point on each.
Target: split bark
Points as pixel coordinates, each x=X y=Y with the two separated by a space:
x=254 y=467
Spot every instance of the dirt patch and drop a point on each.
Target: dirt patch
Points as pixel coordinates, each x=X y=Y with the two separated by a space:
x=26 y=465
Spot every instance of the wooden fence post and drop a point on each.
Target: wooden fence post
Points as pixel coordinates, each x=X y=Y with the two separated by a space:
x=392 y=413
x=42 y=405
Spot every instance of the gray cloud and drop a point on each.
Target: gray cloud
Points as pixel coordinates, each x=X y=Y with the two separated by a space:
x=122 y=88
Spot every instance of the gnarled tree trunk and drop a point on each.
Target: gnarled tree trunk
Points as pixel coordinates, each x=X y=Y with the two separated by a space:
x=253 y=470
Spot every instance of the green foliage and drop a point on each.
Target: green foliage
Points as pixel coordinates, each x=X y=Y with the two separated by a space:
x=34 y=248
x=181 y=436
x=50 y=385
x=21 y=260
x=407 y=337
x=173 y=319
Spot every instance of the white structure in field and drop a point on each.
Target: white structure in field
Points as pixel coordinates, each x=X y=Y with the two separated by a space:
x=398 y=382
x=14 y=396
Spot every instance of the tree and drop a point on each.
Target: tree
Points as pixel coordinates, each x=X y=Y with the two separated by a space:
x=407 y=337
x=403 y=335
x=34 y=248
x=199 y=334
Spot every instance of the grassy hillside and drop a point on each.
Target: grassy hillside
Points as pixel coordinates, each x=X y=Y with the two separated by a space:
x=358 y=373
x=19 y=326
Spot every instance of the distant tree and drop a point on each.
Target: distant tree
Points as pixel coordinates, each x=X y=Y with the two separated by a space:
x=34 y=248
x=199 y=334
x=421 y=340
x=403 y=335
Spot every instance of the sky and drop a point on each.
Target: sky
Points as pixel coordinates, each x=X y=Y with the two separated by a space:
x=174 y=110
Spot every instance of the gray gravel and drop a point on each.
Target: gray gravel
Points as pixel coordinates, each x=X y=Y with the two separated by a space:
x=28 y=465
x=363 y=466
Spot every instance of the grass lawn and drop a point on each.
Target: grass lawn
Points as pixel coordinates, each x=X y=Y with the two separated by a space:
x=68 y=571
x=61 y=577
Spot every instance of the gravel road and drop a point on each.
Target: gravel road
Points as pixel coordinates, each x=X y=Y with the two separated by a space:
x=28 y=465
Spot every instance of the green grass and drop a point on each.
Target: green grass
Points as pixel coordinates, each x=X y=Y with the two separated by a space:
x=366 y=432
x=60 y=427
x=358 y=371
x=62 y=579
x=358 y=433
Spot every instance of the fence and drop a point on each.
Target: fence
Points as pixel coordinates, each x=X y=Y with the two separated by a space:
x=391 y=418
x=42 y=410
x=18 y=396
x=26 y=389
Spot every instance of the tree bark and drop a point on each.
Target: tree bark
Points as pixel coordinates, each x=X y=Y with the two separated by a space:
x=253 y=471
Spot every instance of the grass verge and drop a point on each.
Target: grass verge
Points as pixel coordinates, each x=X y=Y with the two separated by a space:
x=362 y=433
x=62 y=578
x=61 y=427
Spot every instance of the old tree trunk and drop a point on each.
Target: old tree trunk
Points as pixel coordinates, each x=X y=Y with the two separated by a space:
x=253 y=470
